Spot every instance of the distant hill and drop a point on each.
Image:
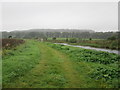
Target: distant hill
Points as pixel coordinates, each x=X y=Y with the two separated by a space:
x=55 y=30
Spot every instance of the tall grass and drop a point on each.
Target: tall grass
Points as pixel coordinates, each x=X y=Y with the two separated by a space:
x=20 y=60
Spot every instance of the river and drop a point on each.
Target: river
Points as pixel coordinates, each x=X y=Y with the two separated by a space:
x=93 y=48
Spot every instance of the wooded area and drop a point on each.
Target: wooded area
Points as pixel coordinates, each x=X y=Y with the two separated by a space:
x=59 y=34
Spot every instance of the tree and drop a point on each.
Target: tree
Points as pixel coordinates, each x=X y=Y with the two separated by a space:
x=90 y=39
x=10 y=37
x=66 y=39
x=73 y=40
x=54 y=38
x=112 y=38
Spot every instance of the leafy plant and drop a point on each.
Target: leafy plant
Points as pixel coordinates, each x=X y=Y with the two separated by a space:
x=109 y=73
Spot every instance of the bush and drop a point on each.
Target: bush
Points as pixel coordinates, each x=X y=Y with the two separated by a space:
x=66 y=39
x=54 y=38
x=90 y=39
x=112 y=38
x=73 y=40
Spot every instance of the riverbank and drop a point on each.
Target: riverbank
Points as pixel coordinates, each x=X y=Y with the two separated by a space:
x=92 y=48
x=97 y=43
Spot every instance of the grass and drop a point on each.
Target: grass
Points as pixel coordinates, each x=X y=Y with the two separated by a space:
x=99 y=67
x=19 y=60
x=0 y=71
x=49 y=73
x=57 y=38
x=45 y=65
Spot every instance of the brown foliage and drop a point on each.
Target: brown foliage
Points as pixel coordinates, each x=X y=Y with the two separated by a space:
x=9 y=43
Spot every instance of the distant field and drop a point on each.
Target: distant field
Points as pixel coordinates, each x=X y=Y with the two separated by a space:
x=35 y=64
x=69 y=38
x=57 y=38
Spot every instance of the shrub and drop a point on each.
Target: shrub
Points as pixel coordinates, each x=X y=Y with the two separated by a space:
x=73 y=40
x=54 y=38
x=112 y=38
x=90 y=38
x=66 y=39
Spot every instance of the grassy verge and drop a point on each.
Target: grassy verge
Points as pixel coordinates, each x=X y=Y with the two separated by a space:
x=17 y=61
x=108 y=44
x=99 y=68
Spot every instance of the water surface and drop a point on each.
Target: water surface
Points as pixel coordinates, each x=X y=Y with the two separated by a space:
x=93 y=48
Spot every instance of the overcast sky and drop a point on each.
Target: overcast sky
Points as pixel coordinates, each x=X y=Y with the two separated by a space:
x=98 y=16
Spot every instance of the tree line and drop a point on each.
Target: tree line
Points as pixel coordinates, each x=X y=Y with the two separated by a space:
x=95 y=35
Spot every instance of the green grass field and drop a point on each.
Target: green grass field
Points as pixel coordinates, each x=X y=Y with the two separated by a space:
x=45 y=65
